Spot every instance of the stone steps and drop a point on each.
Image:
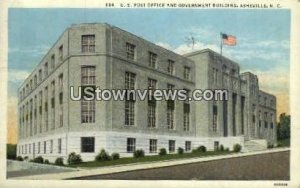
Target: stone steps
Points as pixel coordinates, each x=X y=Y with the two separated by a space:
x=255 y=145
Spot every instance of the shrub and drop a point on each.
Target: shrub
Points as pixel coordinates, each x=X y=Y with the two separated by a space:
x=138 y=153
x=221 y=147
x=74 y=158
x=11 y=151
x=226 y=149
x=194 y=151
x=237 y=148
x=38 y=159
x=59 y=161
x=201 y=149
x=31 y=160
x=270 y=146
x=102 y=156
x=46 y=161
x=162 y=151
x=25 y=158
x=115 y=156
x=19 y=158
x=180 y=150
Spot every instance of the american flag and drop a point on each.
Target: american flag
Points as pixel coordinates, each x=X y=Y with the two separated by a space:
x=228 y=39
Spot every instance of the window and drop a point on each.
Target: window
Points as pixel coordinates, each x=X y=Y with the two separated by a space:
x=171 y=146
x=88 y=107
x=87 y=144
x=152 y=60
x=88 y=75
x=130 y=51
x=60 y=83
x=152 y=84
x=170 y=67
x=87 y=111
x=153 y=146
x=152 y=113
x=130 y=145
x=51 y=146
x=53 y=104
x=59 y=145
x=186 y=73
x=215 y=117
x=60 y=53
x=188 y=145
x=39 y=147
x=29 y=145
x=52 y=62
x=46 y=69
x=129 y=104
x=216 y=145
x=35 y=80
x=129 y=112
x=88 y=43
x=31 y=85
x=170 y=114
x=186 y=117
x=46 y=108
x=40 y=75
x=45 y=146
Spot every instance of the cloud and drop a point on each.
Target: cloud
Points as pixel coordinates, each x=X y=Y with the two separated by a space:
x=16 y=75
x=42 y=49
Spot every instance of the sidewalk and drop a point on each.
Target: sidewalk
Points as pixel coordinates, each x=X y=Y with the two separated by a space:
x=141 y=166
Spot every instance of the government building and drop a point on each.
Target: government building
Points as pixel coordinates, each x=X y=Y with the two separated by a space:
x=52 y=125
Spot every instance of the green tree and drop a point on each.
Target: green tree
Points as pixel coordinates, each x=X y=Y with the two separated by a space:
x=11 y=151
x=284 y=127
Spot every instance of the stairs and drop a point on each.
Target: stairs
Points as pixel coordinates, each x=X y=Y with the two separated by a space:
x=255 y=145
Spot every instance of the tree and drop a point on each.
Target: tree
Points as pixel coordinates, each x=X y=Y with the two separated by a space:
x=284 y=127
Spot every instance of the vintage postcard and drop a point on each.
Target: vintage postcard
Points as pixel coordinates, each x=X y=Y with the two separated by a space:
x=150 y=93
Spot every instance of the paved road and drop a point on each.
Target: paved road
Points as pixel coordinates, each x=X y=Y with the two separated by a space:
x=271 y=166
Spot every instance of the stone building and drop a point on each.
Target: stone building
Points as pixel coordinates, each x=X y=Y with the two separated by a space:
x=52 y=125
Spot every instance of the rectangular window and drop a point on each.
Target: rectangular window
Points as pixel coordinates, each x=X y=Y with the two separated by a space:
x=46 y=69
x=152 y=113
x=188 y=145
x=186 y=74
x=130 y=51
x=130 y=145
x=60 y=83
x=152 y=84
x=170 y=114
x=130 y=80
x=87 y=111
x=40 y=75
x=59 y=145
x=88 y=43
x=186 y=117
x=53 y=104
x=152 y=60
x=215 y=118
x=171 y=67
x=52 y=62
x=88 y=107
x=51 y=146
x=29 y=145
x=39 y=147
x=60 y=53
x=45 y=146
x=129 y=112
x=87 y=144
x=153 y=146
x=88 y=75
x=171 y=146
x=35 y=80
x=216 y=145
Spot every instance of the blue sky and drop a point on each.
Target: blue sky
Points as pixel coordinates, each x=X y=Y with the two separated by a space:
x=263 y=36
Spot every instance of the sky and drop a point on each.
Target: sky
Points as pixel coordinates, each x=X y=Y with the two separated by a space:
x=263 y=40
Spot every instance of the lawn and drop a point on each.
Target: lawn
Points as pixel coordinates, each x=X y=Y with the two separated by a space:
x=130 y=160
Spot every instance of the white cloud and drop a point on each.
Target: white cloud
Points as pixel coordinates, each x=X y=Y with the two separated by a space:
x=15 y=75
x=42 y=49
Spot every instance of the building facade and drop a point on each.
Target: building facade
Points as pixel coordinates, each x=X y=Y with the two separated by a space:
x=52 y=125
